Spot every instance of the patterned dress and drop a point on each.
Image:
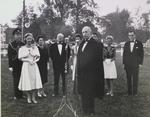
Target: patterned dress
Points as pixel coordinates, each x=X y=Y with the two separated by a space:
x=30 y=78
x=109 y=63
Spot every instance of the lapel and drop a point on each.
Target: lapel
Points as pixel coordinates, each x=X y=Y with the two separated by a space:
x=58 y=49
x=135 y=45
x=129 y=47
x=80 y=47
x=87 y=45
x=63 y=48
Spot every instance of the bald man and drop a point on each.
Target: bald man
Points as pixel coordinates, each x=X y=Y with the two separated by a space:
x=59 y=58
x=90 y=73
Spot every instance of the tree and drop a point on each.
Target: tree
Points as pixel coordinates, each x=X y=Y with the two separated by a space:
x=55 y=13
x=27 y=14
x=115 y=24
x=82 y=12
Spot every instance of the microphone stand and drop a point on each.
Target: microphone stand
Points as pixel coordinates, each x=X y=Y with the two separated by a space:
x=65 y=100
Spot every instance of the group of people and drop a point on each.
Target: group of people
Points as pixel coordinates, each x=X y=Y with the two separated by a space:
x=93 y=63
x=28 y=62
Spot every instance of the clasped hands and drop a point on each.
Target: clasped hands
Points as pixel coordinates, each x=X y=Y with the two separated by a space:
x=32 y=62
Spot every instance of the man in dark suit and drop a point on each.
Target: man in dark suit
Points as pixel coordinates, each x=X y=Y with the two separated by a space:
x=132 y=59
x=59 y=53
x=15 y=64
x=90 y=73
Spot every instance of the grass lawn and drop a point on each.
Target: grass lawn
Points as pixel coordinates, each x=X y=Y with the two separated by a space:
x=117 y=106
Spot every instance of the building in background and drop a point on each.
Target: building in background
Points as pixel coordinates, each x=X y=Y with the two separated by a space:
x=3 y=43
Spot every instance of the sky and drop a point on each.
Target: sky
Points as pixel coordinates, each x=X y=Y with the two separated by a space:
x=106 y=6
x=9 y=9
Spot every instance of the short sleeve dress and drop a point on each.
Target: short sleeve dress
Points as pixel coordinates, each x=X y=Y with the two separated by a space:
x=30 y=78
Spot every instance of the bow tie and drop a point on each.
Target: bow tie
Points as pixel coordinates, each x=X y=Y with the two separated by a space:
x=60 y=43
x=85 y=41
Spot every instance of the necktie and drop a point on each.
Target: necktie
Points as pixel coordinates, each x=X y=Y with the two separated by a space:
x=59 y=43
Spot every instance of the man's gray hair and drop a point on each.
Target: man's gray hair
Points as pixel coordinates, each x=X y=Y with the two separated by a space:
x=87 y=28
x=60 y=35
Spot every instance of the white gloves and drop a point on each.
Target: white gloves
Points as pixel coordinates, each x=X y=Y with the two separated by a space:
x=10 y=69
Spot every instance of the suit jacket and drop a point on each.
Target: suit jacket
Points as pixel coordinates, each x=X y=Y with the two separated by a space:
x=57 y=59
x=13 y=48
x=134 y=58
x=90 y=73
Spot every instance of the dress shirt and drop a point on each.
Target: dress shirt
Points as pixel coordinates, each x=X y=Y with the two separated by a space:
x=132 y=46
x=60 y=48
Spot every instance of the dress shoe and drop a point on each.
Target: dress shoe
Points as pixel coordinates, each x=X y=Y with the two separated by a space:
x=108 y=93
x=14 y=98
x=43 y=94
x=29 y=101
x=34 y=101
x=135 y=95
x=111 y=94
x=92 y=114
x=54 y=95
x=39 y=94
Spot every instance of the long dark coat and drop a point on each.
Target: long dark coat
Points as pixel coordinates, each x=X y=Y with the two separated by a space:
x=90 y=72
x=42 y=64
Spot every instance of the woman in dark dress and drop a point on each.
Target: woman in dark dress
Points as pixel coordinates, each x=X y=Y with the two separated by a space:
x=43 y=63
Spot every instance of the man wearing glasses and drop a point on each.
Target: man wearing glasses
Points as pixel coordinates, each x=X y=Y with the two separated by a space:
x=132 y=59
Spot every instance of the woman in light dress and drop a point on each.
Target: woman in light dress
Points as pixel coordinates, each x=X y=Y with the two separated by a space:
x=110 y=72
x=30 y=79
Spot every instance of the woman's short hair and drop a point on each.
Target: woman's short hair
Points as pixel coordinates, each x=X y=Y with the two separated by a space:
x=78 y=35
x=40 y=36
x=28 y=35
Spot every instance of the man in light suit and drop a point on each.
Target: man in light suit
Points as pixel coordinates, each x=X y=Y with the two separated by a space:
x=59 y=55
x=132 y=59
x=90 y=73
